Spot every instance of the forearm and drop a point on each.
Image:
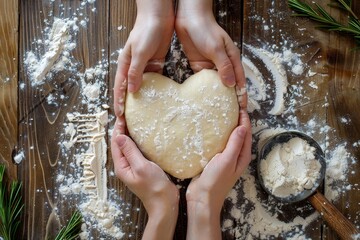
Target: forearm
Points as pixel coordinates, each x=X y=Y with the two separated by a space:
x=203 y=222
x=161 y=225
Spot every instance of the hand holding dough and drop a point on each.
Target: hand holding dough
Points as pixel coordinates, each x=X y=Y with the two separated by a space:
x=182 y=127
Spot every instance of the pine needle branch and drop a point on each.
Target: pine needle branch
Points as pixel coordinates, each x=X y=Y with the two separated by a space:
x=72 y=229
x=11 y=207
x=327 y=22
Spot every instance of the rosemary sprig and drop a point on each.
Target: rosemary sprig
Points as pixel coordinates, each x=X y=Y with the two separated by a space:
x=11 y=207
x=72 y=229
x=327 y=22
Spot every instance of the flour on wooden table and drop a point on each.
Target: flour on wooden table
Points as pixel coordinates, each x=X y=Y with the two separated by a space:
x=57 y=46
x=249 y=214
x=252 y=214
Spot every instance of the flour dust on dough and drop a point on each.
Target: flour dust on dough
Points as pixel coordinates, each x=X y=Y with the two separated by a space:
x=182 y=126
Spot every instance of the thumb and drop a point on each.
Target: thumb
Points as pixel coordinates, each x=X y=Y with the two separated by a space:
x=235 y=143
x=130 y=151
x=225 y=68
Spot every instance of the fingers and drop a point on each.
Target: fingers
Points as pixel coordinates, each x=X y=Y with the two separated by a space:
x=234 y=54
x=136 y=70
x=120 y=84
x=130 y=151
x=245 y=154
x=121 y=165
x=155 y=65
x=235 y=143
x=224 y=66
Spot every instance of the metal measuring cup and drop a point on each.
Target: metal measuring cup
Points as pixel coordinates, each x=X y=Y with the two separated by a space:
x=335 y=219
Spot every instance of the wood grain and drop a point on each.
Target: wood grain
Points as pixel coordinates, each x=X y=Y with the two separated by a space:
x=8 y=83
x=122 y=19
x=269 y=25
x=333 y=217
x=41 y=121
x=343 y=88
x=34 y=125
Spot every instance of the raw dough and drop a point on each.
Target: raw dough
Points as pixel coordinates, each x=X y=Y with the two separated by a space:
x=182 y=127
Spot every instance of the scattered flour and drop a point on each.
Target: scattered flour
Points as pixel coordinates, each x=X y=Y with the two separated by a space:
x=252 y=215
x=256 y=215
x=336 y=172
x=18 y=158
x=273 y=63
x=57 y=47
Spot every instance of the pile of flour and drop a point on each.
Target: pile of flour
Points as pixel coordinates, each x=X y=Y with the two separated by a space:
x=290 y=168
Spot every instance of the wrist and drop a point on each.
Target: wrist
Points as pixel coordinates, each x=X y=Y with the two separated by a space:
x=163 y=210
x=198 y=8
x=161 y=9
x=204 y=211
x=163 y=205
x=202 y=214
x=161 y=223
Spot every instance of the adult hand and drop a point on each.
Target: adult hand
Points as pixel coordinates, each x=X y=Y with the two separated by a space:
x=147 y=45
x=206 y=194
x=148 y=181
x=206 y=44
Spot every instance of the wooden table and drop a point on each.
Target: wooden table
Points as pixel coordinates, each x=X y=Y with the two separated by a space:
x=28 y=124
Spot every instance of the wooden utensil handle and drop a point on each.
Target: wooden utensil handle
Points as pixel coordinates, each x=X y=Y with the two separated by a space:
x=336 y=220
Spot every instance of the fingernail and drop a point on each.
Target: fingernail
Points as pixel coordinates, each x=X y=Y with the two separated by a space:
x=241 y=131
x=121 y=139
x=230 y=81
x=131 y=87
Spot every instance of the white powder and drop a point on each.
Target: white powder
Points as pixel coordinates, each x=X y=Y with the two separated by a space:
x=259 y=222
x=257 y=217
x=251 y=216
x=336 y=169
x=58 y=42
x=274 y=65
x=313 y=85
x=18 y=158
x=297 y=69
x=88 y=131
x=256 y=85
x=290 y=168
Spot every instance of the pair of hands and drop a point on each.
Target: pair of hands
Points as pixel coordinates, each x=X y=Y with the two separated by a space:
x=205 y=43
x=145 y=50
x=205 y=194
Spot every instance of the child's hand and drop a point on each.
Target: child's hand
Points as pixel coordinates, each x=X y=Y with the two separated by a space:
x=206 y=44
x=206 y=194
x=149 y=182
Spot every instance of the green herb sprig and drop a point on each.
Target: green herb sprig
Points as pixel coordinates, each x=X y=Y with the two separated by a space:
x=11 y=207
x=72 y=229
x=325 y=20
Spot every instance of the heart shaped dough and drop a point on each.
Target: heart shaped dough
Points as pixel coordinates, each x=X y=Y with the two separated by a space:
x=181 y=127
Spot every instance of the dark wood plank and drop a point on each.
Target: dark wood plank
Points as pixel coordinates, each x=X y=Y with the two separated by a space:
x=269 y=25
x=122 y=19
x=332 y=55
x=41 y=122
x=344 y=100
x=107 y=30
x=8 y=83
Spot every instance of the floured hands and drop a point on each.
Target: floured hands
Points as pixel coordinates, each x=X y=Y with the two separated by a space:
x=206 y=44
x=206 y=194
